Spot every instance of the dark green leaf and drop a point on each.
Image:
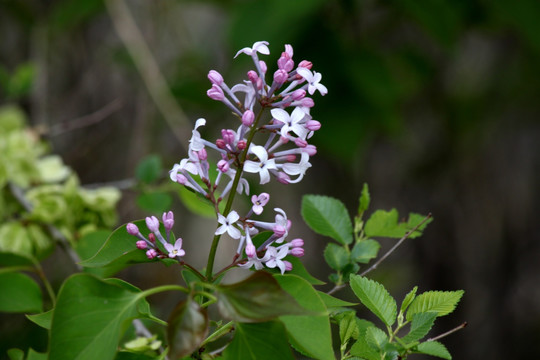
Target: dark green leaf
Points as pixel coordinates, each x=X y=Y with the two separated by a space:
x=308 y=333
x=12 y=259
x=420 y=326
x=196 y=204
x=149 y=169
x=154 y=202
x=336 y=256
x=258 y=298
x=385 y=224
x=375 y=297
x=434 y=348
x=365 y=250
x=261 y=341
x=327 y=216
x=90 y=317
x=15 y=354
x=188 y=327
x=333 y=302
x=441 y=302
x=34 y=355
x=20 y=293
x=44 y=319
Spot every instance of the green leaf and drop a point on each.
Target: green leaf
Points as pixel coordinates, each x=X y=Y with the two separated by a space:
x=34 y=355
x=261 y=341
x=363 y=350
x=20 y=293
x=188 y=327
x=308 y=333
x=91 y=315
x=258 y=298
x=198 y=204
x=43 y=319
x=408 y=299
x=376 y=338
x=15 y=354
x=300 y=270
x=420 y=326
x=327 y=216
x=336 y=256
x=434 y=348
x=375 y=297
x=12 y=259
x=441 y=302
x=333 y=302
x=365 y=250
x=348 y=326
x=385 y=224
x=149 y=169
x=363 y=203
x=154 y=202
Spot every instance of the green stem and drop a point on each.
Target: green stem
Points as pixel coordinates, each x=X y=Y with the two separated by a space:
x=232 y=194
x=224 y=330
x=162 y=289
x=46 y=283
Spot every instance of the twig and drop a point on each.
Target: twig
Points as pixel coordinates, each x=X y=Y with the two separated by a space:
x=86 y=120
x=148 y=68
x=382 y=258
x=457 y=328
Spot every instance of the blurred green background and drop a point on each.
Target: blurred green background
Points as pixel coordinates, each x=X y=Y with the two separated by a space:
x=434 y=103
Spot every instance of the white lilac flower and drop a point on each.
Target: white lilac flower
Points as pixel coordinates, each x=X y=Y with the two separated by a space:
x=227 y=225
x=313 y=80
x=281 y=226
x=291 y=122
x=262 y=166
x=297 y=169
x=195 y=143
x=185 y=165
x=273 y=257
x=259 y=46
x=253 y=261
x=176 y=249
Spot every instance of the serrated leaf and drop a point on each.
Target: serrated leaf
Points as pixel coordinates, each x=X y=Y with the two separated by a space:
x=376 y=338
x=385 y=224
x=348 y=326
x=408 y=299
x=20 y=293
x=149 y=169
x=308 y=333
x=258 y=298
x=420 y=326
x=375 y=297
x=336 y=256
x=260 y=341
x=441 y=302
x=434 y=348
x=91 y=315
x=361 y=349
x=327 y=216
x=363 y=202
x=43 y=319
x=187 y=328
x=365 y=250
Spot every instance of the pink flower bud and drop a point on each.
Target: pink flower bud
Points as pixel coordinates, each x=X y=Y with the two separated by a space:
x=151 y=253
x=313 y=125
x=297 y=243
x=297 y=251
x=307 y=102
x=283 y=178
x=290 y=158
x=298 y=94
x=301 y=143
x=263 y=66
x=220 y=143
x=305 y=64
x=168 y=220
x=228 y=136
x=285 y=63
x=259 y=84
x=215 y=93
x=289 y=50
x=252 y=76
x=248 y=117
x=283 y=139
x=181 y=179
x=132 y=229
x=152 y=238
x=250 y=250
x=223 y=165
x=215 y=77
x=241 y=145
x=279 y=230
x=288 y=265
x=152 y=223
x=202 y=154
x=141 y=244
x=310 y=150
x=280 y=76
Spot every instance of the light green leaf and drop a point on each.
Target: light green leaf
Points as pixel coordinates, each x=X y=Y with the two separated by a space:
x=91 y=315
x=336 y=256
x=441 y=302
x=308 y=333
x=43 y=319
x=365 y=250
x=434 y=348
x=348 y=326
x=385 y=224
x=420 y=326
x=20 y=293
x=408 y=299
x=327 y=216
x=188 y=327
x=261 y=341
x=259 y=298
x=363 y=350
x=363 y=203
x=375 y=297
x=376 y=338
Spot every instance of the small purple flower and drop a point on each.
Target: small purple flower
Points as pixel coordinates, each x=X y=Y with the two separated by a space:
x=259 y=202
x=273 y=257
x=176 y=249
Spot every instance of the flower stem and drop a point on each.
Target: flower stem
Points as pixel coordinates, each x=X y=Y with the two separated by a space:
x=225 y=329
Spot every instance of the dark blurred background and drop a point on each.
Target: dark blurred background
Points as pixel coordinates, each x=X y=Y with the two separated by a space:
x=434 y=103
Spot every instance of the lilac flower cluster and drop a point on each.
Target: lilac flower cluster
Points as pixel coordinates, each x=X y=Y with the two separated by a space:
x=282 y=151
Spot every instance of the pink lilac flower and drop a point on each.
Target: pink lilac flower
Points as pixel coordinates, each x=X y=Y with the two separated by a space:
x=313 y=80
x=262 y=166
x=273 y=257
x=176 y=249
x=227 y=225
x=259 y=202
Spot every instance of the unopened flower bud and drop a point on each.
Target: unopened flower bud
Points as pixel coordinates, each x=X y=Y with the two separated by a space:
x=241 y=145
x=223 y=165
x=290 y=158
x=298 y=94
x=305 y=64
x=215 y=93
x=141 y=244
x=202 y=154
x=263 y=66
x=215 y=77
x=297 y=243
x=252 y=76
x=151 y=253
x=181 y=179
x=288 y=265
x=283 y=178
x=310 y=150
x=301 y=143
x=307 y=102
x=313 y=125
x=168 y=220
x=250 y=250
x=279 y=230
x=280 y=76
x=152 y=223
x=152 y=238
x=297 y=251
x=228 y=136
x=220 y=143
x=132 y=229
x=248 y=117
